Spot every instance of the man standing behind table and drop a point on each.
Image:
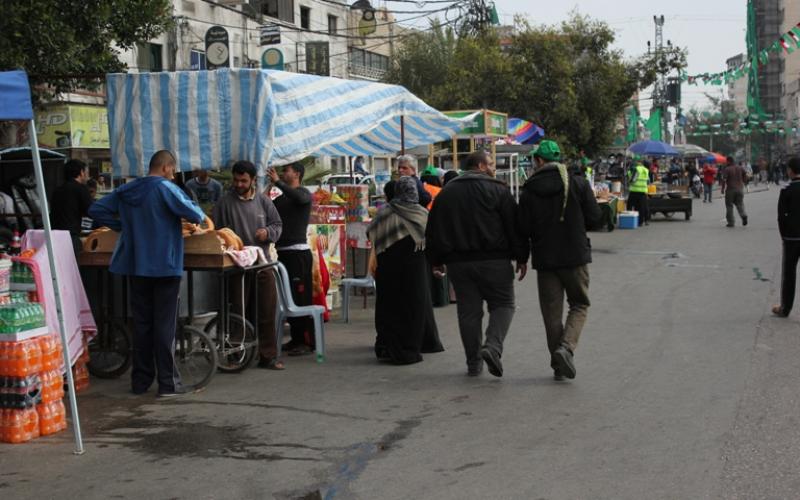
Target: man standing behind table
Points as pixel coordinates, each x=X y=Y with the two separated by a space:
x=147 y=212
x=294 y=206
x=733 y=179
x=70 y=202
x=789 y=227
x=206 y=189
x=472 y=229
x=555 y=209
x=407 y=167
x=253 y=217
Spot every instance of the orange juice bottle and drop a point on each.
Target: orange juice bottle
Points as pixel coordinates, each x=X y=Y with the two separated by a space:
x=46 y=419
x=31 y=423
x=34 y=357
x=13 y=425
x=59 y=415
x=5 y=361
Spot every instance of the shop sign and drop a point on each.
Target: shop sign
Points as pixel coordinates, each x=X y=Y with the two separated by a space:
x=272 y=59
x=270 y=34
x=217 y=48
x=485 y=123
x=75 y=126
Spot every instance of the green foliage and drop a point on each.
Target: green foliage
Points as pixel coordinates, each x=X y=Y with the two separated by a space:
x=61 y=42
x=565 y=78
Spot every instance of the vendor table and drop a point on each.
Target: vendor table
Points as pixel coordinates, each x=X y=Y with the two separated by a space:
x=668 y=204
x=235 y=347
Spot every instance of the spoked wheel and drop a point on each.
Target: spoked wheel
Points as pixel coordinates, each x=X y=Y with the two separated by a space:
x=110 y=351
x=668 y=215
x=195 y=357
x=236 y=347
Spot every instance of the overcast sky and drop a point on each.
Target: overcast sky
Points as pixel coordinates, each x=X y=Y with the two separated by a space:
x=712 y=30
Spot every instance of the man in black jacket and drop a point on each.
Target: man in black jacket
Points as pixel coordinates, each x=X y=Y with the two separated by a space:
x=555 y=211
x=71 y=201
x=789 y=226
x=472 y=229
x=407 y=167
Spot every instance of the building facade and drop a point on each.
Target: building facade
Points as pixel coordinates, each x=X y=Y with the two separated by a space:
x=790 y=83
x=737 y=89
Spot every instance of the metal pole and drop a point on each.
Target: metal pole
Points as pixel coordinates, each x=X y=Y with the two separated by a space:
x=403 y=135
x=73 y=403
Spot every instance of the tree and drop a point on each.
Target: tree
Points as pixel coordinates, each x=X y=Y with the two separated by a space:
x=70 y=44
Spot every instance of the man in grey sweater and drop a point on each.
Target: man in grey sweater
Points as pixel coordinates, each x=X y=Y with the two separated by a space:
x=253 y=217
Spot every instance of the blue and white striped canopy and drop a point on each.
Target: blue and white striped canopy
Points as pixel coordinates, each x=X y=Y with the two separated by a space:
x=212 y=118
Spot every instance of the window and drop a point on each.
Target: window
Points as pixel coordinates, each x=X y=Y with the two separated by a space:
x=237 y=63
x=279 y=9
x=332 y=25
x=197 y=60
x=305 y=18
x=360 y=57
x=148 y=57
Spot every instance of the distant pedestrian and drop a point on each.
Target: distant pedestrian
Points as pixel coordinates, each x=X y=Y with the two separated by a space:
x=709 y=177
x=555 y=211
x=789 y=227
x=407 y=166
x=472 y=229
x=733 y=178
x=763 y=171
x=207 y=190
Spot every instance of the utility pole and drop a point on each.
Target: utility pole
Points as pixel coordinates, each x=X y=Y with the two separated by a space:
x=660 y=87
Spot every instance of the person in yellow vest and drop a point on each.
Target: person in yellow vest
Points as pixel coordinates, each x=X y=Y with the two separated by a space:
x=432 y=183
x=638 y=177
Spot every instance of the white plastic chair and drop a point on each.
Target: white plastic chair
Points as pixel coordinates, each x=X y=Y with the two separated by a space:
x=347 y=284
x=288 y=309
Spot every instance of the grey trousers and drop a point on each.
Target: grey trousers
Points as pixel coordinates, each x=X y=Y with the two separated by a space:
x=552 y=287
x=490 y=281
x=734 y=198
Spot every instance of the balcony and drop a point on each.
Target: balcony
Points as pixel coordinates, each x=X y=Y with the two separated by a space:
x=366 y=72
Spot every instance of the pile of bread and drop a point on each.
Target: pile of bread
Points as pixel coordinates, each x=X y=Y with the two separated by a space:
x=228 y=240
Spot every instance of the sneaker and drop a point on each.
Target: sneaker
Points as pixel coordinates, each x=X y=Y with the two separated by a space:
x=475 y=371
x=558 y=377
x=729 y=225
x=744 y=220
x=492 y=360
x=563 y=361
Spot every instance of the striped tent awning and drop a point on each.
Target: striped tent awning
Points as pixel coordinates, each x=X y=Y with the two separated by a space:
x=212 y=118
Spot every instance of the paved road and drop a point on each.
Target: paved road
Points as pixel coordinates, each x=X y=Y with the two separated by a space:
x=686 y=388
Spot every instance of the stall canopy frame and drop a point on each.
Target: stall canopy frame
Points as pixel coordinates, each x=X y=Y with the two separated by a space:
x=210 y=119
x=16 y=105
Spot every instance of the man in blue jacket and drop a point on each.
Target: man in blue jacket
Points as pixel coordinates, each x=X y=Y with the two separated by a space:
x=147 y=212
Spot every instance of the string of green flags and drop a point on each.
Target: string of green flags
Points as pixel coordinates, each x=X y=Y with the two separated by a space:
x=788 y=43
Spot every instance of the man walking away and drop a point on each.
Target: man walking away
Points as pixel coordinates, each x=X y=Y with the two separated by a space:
x=472 y=229
x=554 y=213
x=71 y=201
x=709 y=177
x=253 y=217
x=789 y=227
x=733 y=179
x=637 y=193
x=294 y=207
x=148 y=213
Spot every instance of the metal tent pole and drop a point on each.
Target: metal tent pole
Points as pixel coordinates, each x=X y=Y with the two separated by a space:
x=73 y=403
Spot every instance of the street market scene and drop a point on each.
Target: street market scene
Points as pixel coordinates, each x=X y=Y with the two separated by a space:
x=394 y=249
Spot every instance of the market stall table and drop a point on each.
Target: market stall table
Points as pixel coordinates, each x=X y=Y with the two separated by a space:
x=670 y=203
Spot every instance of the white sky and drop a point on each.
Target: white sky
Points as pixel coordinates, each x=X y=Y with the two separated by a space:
x=712 y=30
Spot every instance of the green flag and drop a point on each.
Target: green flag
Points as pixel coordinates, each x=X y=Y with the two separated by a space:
x=633 y=125
x=654 y=125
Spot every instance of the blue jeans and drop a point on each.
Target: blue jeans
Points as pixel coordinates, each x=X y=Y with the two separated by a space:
x=707 y=190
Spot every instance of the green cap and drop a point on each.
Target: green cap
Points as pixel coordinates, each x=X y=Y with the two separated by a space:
x=430 y=170
x=548 y=150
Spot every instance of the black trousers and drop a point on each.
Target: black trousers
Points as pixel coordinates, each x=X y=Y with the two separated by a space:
x=791 y=255
x=638 y=202
x=154 y=304
x=298 y=264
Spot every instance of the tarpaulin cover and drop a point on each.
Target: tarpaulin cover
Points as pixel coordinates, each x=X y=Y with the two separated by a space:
x=16 y=96
x=212 y=118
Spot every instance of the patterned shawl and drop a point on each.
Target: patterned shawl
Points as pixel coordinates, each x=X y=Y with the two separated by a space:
x=402 y=217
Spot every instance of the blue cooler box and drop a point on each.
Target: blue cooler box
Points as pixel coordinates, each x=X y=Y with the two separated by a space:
x=628 y=220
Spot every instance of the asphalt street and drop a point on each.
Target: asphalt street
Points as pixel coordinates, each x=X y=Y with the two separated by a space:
x=687 y=388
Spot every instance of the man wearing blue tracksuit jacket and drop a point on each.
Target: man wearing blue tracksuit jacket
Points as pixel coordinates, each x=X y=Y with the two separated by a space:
x=147 y=212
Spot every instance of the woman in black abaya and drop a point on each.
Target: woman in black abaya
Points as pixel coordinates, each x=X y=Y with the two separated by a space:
x=402 y=292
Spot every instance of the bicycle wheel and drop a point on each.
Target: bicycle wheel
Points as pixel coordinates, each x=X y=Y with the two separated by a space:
x=110 y=351
x=195 y=357
x=237 y=347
